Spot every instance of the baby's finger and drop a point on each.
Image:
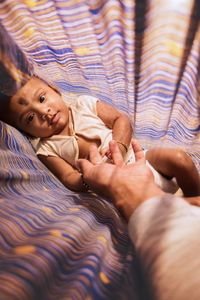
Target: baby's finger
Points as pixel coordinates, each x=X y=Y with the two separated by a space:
x=137 y=149
x=108 y=154
x=116 y=155
x=104 y=151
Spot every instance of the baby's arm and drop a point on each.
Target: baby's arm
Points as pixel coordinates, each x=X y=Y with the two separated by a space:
x=68 y=175
x=118 y=122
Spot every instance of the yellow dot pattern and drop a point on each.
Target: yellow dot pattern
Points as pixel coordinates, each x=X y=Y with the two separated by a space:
x=56 y=233
x=104 y=278
x=102 y=239
x=81 y=51
x=28 y=249
x=47 y=210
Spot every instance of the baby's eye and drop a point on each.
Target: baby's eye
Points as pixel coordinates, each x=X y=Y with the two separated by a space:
x=30 y=118
x=42 y=98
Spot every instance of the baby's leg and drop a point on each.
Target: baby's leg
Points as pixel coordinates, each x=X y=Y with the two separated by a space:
x=176 y=163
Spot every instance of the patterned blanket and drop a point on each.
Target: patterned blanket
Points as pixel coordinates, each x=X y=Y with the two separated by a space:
x=142 y=57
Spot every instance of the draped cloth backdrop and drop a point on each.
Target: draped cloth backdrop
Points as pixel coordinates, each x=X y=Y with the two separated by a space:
x=143 y=57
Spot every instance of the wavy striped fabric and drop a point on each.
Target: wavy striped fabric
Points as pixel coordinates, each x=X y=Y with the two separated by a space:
x=55 y=244
x=140 y=56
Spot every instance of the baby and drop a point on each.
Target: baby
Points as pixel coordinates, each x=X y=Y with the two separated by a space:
x=66 y=131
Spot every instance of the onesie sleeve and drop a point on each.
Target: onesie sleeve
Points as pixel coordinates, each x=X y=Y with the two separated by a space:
x=46 y=149
x=88 y=103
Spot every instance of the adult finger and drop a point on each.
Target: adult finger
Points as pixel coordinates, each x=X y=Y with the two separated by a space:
x=116 y=155
x=84 y=166
x=138 y=151
x=94 y=155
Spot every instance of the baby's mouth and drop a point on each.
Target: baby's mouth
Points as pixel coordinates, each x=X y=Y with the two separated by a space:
x=54 y=119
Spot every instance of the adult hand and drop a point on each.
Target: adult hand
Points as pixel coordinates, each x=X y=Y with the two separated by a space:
x=127 y=185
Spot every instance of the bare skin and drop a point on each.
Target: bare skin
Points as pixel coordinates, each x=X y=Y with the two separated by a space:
x=178 y=164
x=127 y=185
x=40 y=111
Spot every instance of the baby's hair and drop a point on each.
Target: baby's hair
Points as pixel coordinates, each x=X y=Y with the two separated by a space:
x=5 y=99
x=5 y=102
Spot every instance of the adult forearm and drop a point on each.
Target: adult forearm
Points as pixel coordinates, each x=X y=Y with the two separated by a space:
x=165 y=232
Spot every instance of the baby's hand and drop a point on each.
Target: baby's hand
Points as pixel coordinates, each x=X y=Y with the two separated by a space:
x=106 y=152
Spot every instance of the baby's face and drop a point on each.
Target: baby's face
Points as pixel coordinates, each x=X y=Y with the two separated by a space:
x=38 y=110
